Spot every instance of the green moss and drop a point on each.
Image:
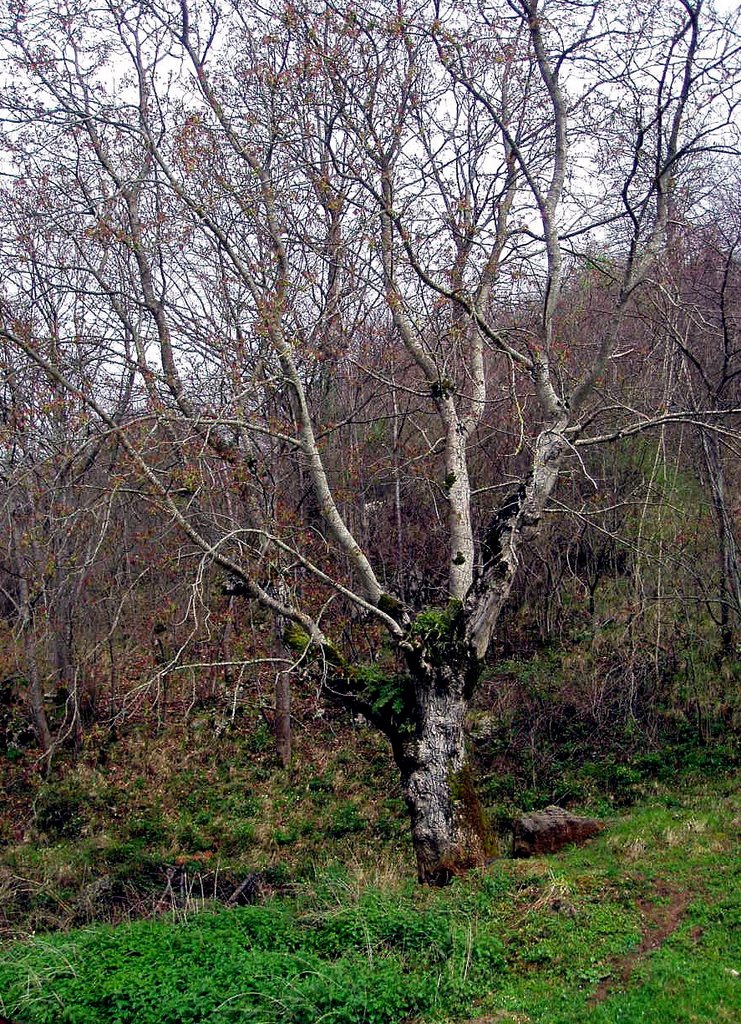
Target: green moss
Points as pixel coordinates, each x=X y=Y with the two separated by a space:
x=391 y=606
x=442 y=389
x=465 y=796
x=333 y=657
x=296 y=638
x=437 y=623
x=439 y=631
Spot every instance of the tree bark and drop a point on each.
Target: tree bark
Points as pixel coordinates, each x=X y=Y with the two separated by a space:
x=444 y=651
x=448 y=825
x=728 y=558
x=282 y=720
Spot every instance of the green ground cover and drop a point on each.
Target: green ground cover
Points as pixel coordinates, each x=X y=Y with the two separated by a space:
x=639 y=925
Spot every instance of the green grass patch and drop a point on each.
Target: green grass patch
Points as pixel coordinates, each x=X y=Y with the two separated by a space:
x=639 y=925
x=376 y=962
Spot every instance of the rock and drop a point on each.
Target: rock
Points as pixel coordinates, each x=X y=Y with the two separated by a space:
x=550 y=830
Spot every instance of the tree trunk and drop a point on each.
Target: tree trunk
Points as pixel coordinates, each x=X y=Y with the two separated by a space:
x=728 y=556
x=36 y=695
x=282 y=721
x=36 y=704
x=448 y=825
x=282 y=717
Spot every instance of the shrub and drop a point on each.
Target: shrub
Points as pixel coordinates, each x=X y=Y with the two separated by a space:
x=63 y=808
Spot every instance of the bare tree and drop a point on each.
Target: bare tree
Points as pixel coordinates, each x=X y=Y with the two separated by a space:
x=56 y=517
x=697 y=310
x=259 y=201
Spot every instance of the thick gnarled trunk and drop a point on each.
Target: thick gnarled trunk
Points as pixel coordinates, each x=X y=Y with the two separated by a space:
x=448 y=826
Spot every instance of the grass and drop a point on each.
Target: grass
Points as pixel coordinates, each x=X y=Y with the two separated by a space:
x=639 y=925
x=98 y=839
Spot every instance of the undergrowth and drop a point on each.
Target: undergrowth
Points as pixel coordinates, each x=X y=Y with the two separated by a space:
x=148 y=820
x=550 y=941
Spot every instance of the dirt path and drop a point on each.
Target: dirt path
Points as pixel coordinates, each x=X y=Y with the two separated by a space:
x=659 y=921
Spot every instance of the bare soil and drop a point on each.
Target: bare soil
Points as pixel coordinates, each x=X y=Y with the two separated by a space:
x=659 y=921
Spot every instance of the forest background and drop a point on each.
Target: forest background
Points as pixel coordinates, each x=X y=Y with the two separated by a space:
x=364 y=372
